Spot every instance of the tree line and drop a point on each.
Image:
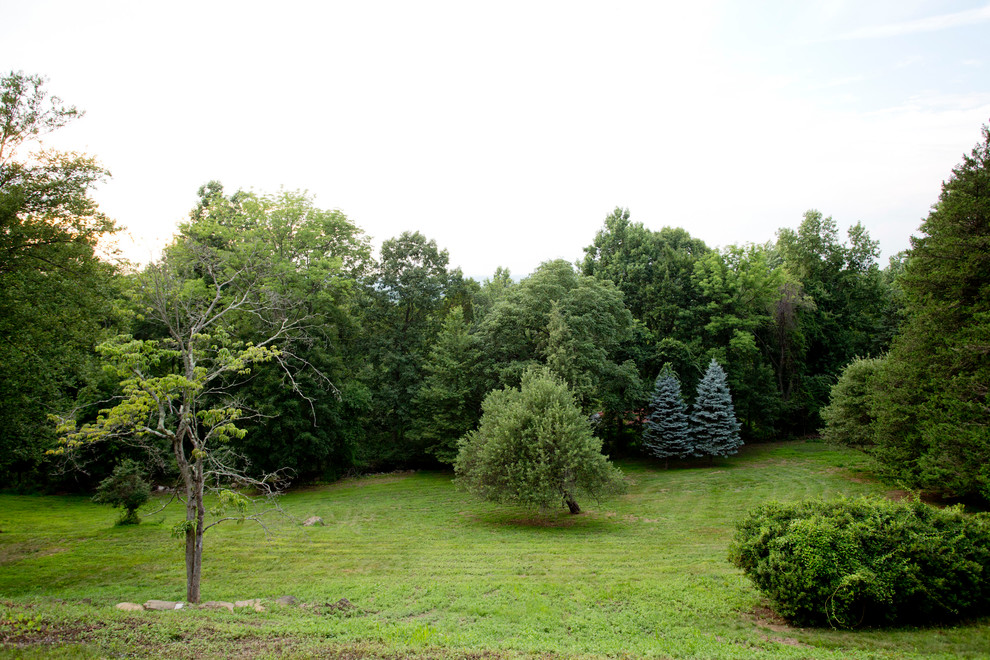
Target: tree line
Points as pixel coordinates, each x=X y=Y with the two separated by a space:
x=269 y=340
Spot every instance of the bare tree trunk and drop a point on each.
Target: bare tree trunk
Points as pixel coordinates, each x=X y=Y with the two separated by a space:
x=572 y=505
x=197 y=568
x=194 y=546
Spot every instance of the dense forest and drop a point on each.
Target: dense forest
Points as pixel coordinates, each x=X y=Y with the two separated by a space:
x=269 y=339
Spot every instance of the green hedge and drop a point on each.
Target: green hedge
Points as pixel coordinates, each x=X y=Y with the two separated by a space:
x=870 y=562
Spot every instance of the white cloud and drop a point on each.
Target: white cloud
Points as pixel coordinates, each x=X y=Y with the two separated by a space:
x=928 y=24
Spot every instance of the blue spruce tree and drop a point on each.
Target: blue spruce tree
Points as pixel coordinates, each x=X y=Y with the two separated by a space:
x=667 y=434
x=714 y=429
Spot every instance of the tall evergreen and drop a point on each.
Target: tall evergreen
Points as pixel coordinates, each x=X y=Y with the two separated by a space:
x=666 y=434
x=932 y=426
x=714 y=428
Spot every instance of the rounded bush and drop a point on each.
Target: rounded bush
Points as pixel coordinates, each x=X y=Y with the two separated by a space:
x=870 y=562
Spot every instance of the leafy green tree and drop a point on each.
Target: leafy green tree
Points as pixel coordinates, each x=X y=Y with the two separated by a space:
x=448 y=404
x=714 y=429
x=312 y=406
x=125 y=488
x=849 y=296
x=932 y=420
x=849 y=416
x=740 y=287
x=55 y=291
x=535 y=447
x=574 y=324
x=179 y=389
x=405 y=306
x=653 y=269
x=667 y=434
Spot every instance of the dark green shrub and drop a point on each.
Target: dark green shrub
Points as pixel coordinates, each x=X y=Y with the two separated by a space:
x=125 y=488
x=870 y=562
x=848 y=417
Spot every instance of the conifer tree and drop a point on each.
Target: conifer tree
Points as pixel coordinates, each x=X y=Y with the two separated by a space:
x=932 y=424
x=667 y=434
x=714 y=428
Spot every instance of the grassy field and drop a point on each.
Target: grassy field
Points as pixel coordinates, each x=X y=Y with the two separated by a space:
x=433 y=573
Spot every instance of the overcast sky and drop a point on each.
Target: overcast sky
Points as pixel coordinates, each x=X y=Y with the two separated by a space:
x=507 y=131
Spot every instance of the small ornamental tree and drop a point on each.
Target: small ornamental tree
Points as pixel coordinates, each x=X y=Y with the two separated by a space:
x=125 y=488
x=667 y=434
x=534 y=447
x=714 y=428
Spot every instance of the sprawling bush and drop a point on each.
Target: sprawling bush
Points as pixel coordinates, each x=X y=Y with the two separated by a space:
x=847 y=563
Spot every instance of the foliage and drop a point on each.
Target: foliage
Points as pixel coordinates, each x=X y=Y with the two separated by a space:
x=739 y=289
x=405 y=305
x=575 y=325
x=653 y=269
x=534 y=447
x=217 y=303
x=714 y=429
x=667 y=434
x=448 y=404
x=847 y=563
x=932 y=416
x=849 y=417
x=311 y=403
x=54 y=289
x=125 y=488
x=843 y=309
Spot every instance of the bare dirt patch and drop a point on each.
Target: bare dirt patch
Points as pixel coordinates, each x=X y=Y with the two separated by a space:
x=764 y=617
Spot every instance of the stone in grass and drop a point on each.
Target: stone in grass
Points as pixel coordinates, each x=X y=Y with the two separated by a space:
x=254 y=603
x=162 y=605
x=217 y=605
x=287 y=601
x=313 y=521
x=129 y=607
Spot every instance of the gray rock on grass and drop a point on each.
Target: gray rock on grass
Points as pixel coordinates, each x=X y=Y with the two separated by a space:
x=162 y=605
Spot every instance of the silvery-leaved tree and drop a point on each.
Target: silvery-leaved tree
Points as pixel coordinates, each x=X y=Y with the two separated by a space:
x=214 y=305
x=667 y=434
x=714 y=428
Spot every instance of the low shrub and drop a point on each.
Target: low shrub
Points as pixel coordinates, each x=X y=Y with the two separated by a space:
x=870 y=562
x=125 y=488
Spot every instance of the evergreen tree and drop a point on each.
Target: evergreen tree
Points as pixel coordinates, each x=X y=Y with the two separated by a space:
x=932 y=427
x=714 y=429
x=448 y=403
x=667 y=434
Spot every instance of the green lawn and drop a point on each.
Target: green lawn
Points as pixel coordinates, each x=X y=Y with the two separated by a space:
x=434 y=573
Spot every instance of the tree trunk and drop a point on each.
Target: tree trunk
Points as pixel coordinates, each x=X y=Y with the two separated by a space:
x=192 y=476
x=572 y=505
x=194 y=548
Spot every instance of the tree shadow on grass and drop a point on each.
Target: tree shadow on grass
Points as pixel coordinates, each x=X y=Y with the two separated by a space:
x=591 y=522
